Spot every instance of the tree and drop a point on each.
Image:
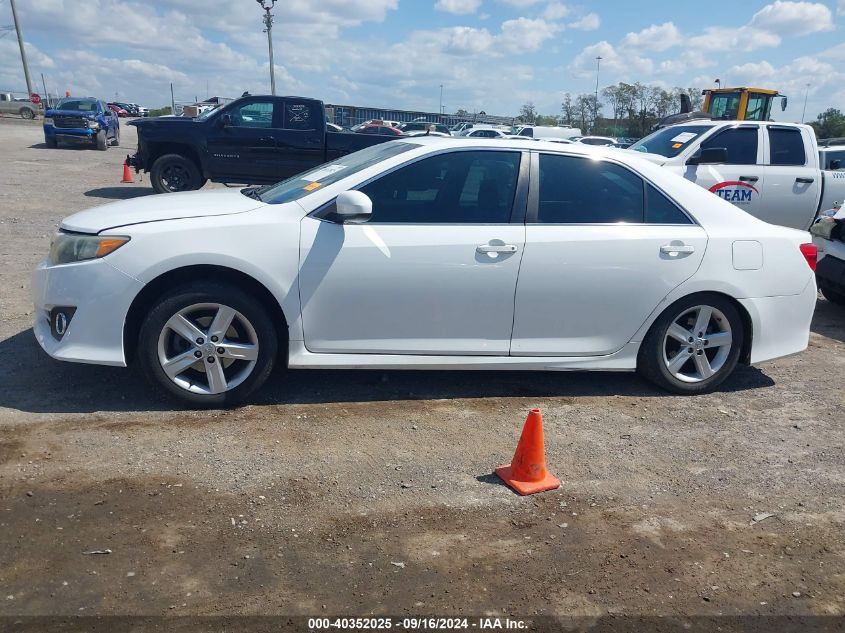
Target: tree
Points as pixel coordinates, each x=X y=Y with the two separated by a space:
x=528 y=113
x=829 y=124
x=567 y=109
x=461 y=113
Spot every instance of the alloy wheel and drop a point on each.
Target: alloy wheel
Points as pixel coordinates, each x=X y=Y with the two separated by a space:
x=697 y=343
x=175 y=177
x=208 y=348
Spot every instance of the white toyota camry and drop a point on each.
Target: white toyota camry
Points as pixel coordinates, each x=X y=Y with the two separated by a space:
x=429 y=253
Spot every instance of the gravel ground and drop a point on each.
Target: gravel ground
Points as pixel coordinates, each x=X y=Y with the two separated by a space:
x=356 y=493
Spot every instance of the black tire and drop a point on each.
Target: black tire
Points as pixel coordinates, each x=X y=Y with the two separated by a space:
x=100 y=141
x=206 y=292
x=27 y=113
x=173 y=172
x=50 y=141
x=831 y=295
x=653 y=355
x=116 y=140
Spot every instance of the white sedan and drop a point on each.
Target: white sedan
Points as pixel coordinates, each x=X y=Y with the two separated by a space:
x=429 y=253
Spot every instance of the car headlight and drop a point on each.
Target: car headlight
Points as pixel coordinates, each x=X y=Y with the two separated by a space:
x=70 y=247
x=93 y=125
x=48 y=120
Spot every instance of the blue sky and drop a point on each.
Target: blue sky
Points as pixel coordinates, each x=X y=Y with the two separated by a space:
x=489 y=54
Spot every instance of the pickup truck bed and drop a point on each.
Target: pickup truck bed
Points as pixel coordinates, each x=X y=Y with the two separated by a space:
x=252 y=140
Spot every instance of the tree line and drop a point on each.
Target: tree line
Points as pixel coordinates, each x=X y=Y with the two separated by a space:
x=631 y=109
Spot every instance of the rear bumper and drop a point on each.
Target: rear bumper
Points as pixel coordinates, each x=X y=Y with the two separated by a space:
x=781 y=324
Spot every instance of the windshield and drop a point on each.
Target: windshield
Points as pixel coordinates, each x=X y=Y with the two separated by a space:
x=208 y=113
x=302 y=184
x=77 y=105
x=670 y=141
x=724 y=105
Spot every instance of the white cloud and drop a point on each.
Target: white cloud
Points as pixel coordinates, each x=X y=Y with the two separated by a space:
x=840 y=7
x=524 y=35
x=793 y=18
x=727 y=39
x=556 y=11
x=457 y=6
x=618 y=65
x=589 y=22
x=520 y=4
x=657 y=37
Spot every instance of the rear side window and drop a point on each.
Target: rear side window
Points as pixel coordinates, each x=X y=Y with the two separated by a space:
x=576 y=190
x=786 y=146
x=740 y=142
x=300 y=115
x=832 y=160
x=660 y=210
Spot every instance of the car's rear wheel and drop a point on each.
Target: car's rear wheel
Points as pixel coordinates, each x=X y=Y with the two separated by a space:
x=100 y=141
x=27 y=113
x=831 y=295
x=173 y=172
x=207 y=344
x=694 y=345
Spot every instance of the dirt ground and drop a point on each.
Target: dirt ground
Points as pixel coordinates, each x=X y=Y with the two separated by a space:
x=354 y=493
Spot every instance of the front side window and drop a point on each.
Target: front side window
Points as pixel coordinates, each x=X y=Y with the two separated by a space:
x=759 y=106
x=786 y=147
x=255 y=114
x=575 y=190
x=740 y=142
x=473 y=187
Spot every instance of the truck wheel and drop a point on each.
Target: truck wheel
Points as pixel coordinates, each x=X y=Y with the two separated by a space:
x=50 y=141
x=116 y=140
x=27 y=113
x=100 y=141
x=831 y=295
x=173 y=172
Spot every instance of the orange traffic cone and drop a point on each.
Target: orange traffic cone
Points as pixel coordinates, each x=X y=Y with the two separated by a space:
x=527 y=472
x=127 y=175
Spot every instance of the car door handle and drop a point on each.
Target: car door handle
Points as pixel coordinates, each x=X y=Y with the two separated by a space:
x=671 y=249
x=496 y=248
x=805 y=181
x=749 y=178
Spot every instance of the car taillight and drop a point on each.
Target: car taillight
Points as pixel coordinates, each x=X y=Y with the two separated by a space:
x=810 y=253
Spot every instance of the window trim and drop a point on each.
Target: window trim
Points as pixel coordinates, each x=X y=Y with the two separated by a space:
x=518 y=209
x=532 y=215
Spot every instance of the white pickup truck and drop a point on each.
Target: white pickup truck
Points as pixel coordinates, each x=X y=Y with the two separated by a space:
x=771 y=170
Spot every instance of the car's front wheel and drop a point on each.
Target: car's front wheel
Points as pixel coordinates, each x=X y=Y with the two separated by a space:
x=693 y=346
x=50 y=141
x=173 y=172
x=100 y=141
x=116 y=140
x=207 y=344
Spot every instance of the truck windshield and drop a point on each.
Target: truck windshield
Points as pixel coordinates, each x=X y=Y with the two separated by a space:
x=77 y=105
x=303 y=184
x=670 y=141
x=203 y=116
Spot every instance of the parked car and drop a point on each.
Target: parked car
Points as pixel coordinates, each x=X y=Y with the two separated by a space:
x=251 y=140
x=771 y=170
x=487 y=133
x=83 y=120
x=424 y=126
x=334 y=127
x=832 y=157
x=424 y=253
x=120 y=112
x=377 y=129
x=130 y=108
x=549 y=132
x=829 y=236
x=23 y=107
x=140 y=110
x=597 y=140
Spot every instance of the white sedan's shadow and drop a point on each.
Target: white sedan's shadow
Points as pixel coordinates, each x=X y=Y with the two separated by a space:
x=34 y=382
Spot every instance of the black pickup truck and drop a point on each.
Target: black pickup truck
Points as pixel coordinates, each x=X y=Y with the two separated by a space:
x=252 y=140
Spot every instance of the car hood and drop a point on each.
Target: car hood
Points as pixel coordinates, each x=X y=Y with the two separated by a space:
x=155 y=208
x=657 y=159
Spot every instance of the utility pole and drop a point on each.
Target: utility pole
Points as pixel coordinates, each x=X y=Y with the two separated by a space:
x=804 y=111
x=596 y=102
x=441 y=99
x=47 y=103
x=267 y=5
x=23 y=52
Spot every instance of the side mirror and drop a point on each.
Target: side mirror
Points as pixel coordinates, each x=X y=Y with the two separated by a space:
x=709 y=156
x=783 y=102
x=353 y=207
x=225 y=120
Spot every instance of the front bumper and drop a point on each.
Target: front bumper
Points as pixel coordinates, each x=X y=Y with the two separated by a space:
x=101 y=295
x=71 y=135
